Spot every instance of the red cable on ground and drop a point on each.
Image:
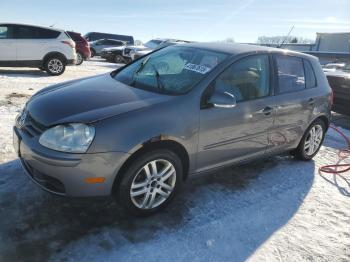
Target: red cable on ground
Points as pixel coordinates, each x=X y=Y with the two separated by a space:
x=333 y=169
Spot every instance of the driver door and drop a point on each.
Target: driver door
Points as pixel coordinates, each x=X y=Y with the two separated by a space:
x=232 y=134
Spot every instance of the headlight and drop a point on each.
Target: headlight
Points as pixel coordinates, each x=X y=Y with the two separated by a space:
x=74 y=138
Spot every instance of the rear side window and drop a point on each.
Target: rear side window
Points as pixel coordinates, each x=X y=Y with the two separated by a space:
x=6 y=32
x=29 y=32
x=290 y=74
x=247 y=79
x=309 y=74
x=75 y=36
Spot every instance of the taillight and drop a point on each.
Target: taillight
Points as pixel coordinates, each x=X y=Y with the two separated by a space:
x=331 y=98
x=71 y=44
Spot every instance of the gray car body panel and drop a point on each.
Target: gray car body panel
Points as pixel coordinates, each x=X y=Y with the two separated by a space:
x=127 y=118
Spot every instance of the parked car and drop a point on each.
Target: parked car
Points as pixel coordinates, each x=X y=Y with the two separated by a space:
x=130 y=52
x=142 y=52
x=140 y=131
x=93 y=36
x=340 y=83
x=113 y=54
x=334 y=67
x=82 y=47
x=96 y=47
x=33 y=46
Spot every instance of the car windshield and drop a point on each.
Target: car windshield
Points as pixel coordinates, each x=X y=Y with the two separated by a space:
x=172 y=70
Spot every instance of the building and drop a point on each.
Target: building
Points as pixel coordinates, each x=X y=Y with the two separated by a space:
x=328 y=47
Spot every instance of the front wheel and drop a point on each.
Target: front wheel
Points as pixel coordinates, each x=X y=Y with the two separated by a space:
x=55 y=66
x=150 y=182
x=312 y=140
x=118 y=59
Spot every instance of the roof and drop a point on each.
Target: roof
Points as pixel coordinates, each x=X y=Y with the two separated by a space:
x=44 y=27
x=235 y=49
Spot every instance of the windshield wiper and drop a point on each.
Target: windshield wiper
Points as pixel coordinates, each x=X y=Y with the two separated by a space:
x=138 y=70
x=142 y=65
x=160 y=84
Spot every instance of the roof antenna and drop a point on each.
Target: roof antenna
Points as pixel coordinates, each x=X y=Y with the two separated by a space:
x=53 y=24
x=284 y=40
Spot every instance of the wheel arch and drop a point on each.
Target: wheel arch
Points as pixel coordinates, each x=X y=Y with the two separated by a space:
x=322 y=117
x=53 y=54
x=150 y=145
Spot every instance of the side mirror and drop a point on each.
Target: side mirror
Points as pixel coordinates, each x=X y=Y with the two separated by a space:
x=222 y=100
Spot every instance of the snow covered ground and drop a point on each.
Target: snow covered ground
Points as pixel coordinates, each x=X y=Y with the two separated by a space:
x=275 y=210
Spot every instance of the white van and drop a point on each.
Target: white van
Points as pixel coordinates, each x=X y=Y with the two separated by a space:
x=32 y=46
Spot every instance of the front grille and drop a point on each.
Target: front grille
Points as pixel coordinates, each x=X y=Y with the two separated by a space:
x=29 y=125
x=50 y=183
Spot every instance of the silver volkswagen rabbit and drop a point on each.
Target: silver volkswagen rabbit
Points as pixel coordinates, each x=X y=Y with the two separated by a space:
x=140 y=131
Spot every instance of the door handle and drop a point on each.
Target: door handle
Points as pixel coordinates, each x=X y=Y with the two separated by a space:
x=311 y=101
x=266 y=111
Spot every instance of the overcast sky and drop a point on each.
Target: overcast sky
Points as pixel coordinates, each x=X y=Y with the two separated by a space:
x=203 y=20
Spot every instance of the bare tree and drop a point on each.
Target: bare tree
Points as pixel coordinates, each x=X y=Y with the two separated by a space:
x=275 y=40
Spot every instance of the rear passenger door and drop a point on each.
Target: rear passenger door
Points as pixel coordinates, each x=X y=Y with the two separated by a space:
x=34 y=43
x=295 y=101
x=229 y=135
x=8 y=45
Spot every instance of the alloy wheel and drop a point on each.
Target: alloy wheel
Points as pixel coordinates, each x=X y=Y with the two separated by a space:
x=313 y=140
x=153 y=184
x=79 y=59
x=55 y=66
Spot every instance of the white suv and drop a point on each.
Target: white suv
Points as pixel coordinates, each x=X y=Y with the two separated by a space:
x=31 y=46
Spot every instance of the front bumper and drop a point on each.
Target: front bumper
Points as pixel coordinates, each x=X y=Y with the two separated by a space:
x=64 y=173
x=108 y=56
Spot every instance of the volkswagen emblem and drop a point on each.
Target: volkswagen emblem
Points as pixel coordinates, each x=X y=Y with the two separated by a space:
x=22 y=119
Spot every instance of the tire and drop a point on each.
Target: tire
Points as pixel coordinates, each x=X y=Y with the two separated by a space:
x=161 y=191
x=118 y=59
x=80 y=58
x=55 y=65
x=93 y=52
x=306 y=149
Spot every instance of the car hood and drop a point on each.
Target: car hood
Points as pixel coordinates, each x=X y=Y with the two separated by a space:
x=88 y=100
x=113 y=48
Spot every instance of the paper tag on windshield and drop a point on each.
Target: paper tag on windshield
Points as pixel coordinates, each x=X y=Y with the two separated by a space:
x=197 y=68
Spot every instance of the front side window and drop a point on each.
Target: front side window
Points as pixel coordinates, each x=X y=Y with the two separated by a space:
x=247 y=79
x=172 y=70
x=290 y=73
x=6 y=32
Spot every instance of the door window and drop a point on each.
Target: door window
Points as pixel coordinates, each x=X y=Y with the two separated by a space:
x=6 y=32
x=247 y=79
x=290 y=73
x=309 y=74
x=30 y=32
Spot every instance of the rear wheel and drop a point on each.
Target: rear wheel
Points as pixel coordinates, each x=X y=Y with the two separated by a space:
x=55 y=66
x=312 y=140
x=150 y=182
x=93 y=52
x=80 y=58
